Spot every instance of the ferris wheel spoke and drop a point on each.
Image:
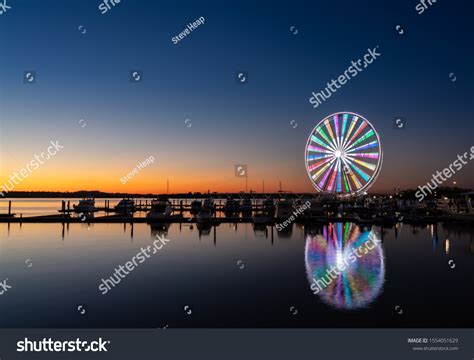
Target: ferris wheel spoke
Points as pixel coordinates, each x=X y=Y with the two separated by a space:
x=372 y=155
x=361 y=172
x=364 y=164
x=325 y=165
x=358 y=131
x=315 y=139
x=366 y=136
x=347 y=181
x=318 y=149
x=351 y=127
x=327 y=171
x=344 y=125
x=353 y=177
x=318 y=164
x=369 y=145
x=331 y=134
x=317 y=157
x=336 y=127
x=339 y=178
x=333 y=177
x=326 y=137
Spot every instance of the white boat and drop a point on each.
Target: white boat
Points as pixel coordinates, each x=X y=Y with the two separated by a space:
x=85 y=206
x=204 y=215
x=125 y=205
x=160 y=208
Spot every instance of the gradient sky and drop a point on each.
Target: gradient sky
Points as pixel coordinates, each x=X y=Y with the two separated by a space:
x=86 y=76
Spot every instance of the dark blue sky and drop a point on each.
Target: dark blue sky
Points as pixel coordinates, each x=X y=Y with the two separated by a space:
x=86 y=76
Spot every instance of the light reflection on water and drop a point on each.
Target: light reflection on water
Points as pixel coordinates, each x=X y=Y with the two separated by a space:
x=199 y=267
x=361 y=270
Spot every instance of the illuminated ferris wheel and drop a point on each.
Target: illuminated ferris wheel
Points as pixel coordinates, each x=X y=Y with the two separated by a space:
x=343 y=154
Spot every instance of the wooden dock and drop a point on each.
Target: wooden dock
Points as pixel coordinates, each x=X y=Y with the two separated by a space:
x=182 y=214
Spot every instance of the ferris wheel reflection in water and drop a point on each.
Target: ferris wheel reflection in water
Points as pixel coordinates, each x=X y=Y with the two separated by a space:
x=354 y=286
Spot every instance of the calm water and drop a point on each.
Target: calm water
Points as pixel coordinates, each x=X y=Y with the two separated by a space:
x=233 y=276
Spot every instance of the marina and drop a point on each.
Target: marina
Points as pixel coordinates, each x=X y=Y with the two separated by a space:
x=249 y=208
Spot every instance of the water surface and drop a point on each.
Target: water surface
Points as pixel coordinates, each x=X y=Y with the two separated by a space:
x=234 y=276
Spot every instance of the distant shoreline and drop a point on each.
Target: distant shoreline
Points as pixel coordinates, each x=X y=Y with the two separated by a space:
x=405 y=194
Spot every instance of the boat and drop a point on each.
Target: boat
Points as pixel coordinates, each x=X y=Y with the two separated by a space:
x=312 y=210
x=204 y=215
x=85 y=206
x=209 y=204
x=125 y=206
x=195 y=206
x=261 y=218
x=246 y=207
x=284 y=209
x=269 y=207
x=231 y=206
x=160 y=208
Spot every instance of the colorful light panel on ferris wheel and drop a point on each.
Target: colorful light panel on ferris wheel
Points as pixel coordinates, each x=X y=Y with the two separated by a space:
x=343 y=154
